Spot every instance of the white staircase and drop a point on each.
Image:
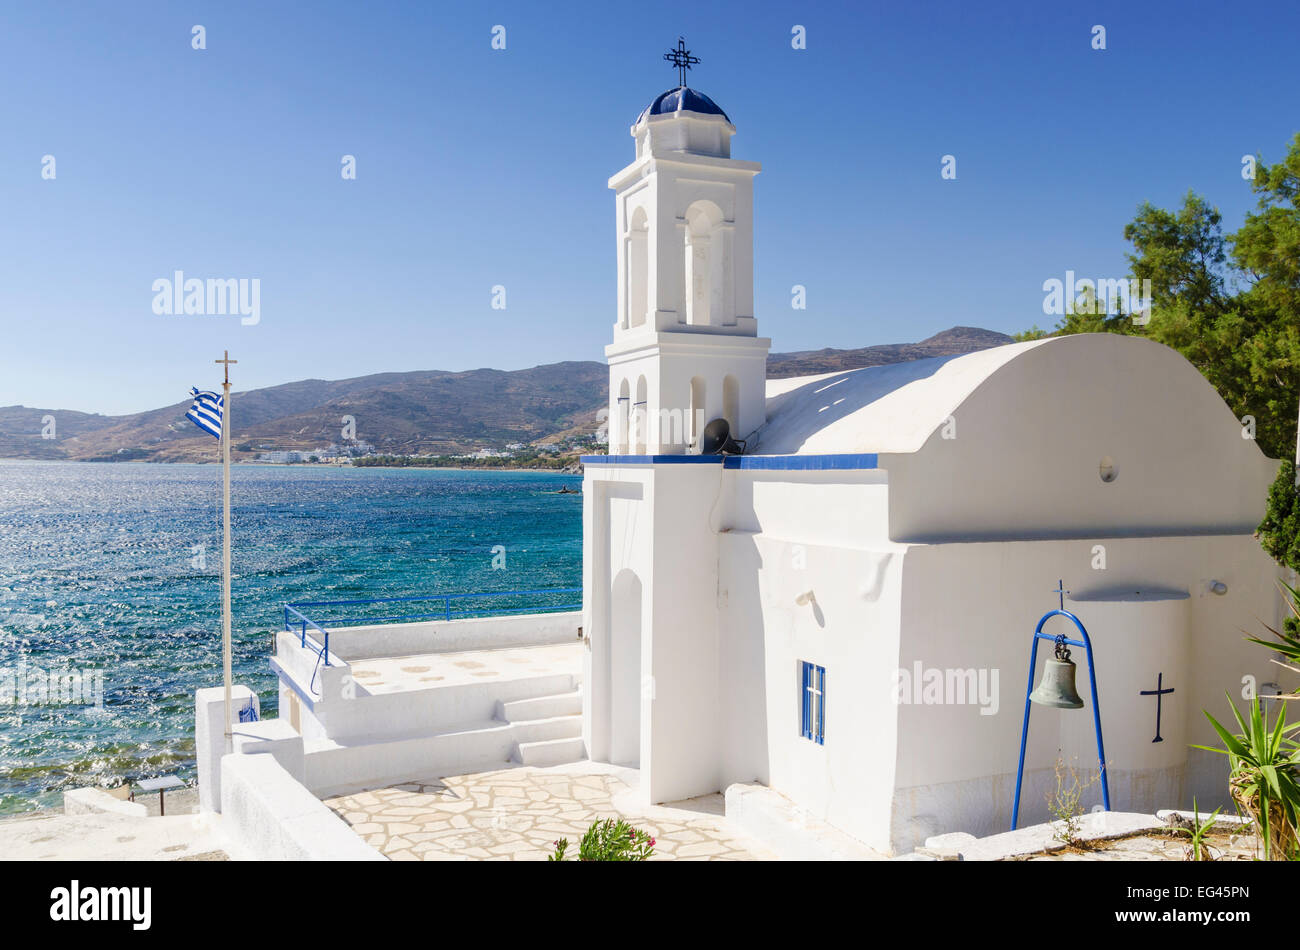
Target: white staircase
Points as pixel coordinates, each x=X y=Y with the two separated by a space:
x=534 y=730
x=547 y=729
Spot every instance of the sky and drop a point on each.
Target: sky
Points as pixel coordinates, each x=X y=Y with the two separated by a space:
x=479 y=167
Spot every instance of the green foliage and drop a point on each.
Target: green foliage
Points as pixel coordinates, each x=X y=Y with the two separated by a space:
x=1033 y=333
x=1263 y=778
x=609 y=840
x=1200 y=850
x=1229 y=303
x=1064 y=803
x=1279 y=532
x=1287 y=640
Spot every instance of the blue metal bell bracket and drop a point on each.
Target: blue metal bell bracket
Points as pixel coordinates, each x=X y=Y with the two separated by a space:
x=1086 y=644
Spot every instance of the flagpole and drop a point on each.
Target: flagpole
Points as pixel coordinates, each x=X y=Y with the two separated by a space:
x=225 y=541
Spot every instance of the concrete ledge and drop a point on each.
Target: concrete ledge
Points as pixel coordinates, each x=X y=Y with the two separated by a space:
x=210 y=736
x=267 y=816
x=274 y=737
x=1177 y=818
x=333 y=768
x=789 y=831
x=452 y=636
x=96 y=801
x=1036 y=839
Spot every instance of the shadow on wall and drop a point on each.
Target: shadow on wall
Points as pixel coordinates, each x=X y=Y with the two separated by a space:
x=743 y=647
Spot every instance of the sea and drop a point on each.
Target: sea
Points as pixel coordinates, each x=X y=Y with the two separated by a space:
x=110 y=590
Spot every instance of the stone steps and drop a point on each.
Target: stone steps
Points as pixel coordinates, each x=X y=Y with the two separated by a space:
x=537 y=730
x=551 y=751
x=554 y=727
x=547 y=729
x=541 y=707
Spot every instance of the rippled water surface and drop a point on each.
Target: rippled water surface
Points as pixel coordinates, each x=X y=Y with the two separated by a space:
x=115 y=569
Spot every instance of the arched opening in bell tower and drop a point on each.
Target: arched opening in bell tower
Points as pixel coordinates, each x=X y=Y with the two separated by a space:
x=640 y=418
x=703 y=272
x=695 y=424
x=731 y=404
x=622 y=419
x=638 y=269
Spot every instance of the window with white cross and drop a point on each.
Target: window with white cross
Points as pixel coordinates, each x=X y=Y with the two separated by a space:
x=812 y=722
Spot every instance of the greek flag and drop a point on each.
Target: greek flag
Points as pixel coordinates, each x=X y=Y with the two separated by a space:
x=206 y=412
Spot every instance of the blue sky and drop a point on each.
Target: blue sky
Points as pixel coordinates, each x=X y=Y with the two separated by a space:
x=478 y=167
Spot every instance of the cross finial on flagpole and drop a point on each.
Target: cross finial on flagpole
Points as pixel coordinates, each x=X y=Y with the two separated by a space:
x=226 y=360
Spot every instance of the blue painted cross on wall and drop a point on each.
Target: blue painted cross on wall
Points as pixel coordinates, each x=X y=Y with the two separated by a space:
x=1158 y=693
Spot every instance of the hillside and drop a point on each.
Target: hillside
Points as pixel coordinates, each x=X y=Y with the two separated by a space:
x=429 y=412
x=812 y=362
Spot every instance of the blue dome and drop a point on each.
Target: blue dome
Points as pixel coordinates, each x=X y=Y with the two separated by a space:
x=682 y=99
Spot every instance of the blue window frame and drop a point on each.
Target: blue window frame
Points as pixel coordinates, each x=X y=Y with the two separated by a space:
x=812 y=721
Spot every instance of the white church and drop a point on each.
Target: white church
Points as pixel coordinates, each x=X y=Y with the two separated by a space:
x=844 y=612
x=831 y=623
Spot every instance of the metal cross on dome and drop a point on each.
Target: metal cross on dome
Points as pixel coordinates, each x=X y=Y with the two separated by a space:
x=681 y=58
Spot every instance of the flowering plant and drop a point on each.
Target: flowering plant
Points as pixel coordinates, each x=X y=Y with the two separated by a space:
x=609 y=840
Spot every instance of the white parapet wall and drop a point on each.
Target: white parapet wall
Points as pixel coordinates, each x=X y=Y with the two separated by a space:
x=96 y=801
x=268 y=816
x=210 y=736
x=449 y=636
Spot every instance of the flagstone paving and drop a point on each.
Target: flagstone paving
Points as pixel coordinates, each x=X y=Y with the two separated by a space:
x=421 y=671
x=517 y=814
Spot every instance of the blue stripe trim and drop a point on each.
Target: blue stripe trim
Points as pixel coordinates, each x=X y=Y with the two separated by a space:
x=782 y=463
x=802 y=463
x=651 y=459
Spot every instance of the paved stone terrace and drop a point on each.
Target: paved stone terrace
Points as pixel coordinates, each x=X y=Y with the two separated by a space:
x=54 y=836
x=517 y=814
x=422 y=671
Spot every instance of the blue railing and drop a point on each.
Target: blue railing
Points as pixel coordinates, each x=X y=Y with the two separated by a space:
x=446 y=612
x=322 y=649
x=304 y=621
x=295 y=619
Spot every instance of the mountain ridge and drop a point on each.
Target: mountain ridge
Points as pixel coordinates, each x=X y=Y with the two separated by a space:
x=438 y=412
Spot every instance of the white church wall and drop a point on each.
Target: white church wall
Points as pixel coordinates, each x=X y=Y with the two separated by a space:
x=681 y=744
x=1021 y=456
x=617 y=515
x=652 y=521
x=974 y=607
x=788 y=535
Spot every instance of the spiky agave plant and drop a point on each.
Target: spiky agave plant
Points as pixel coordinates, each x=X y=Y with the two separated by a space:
x=1264 y=776
x=1287 y=640
x=1200 y=851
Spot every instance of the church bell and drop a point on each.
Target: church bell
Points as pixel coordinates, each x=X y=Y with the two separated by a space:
x=1056 y=688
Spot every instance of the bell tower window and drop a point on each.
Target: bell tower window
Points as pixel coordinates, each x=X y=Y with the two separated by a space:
x=623 y=418
x=731 y=404
x=638 y=269
x=640 y=418
x=695 y=424
x=703 y=264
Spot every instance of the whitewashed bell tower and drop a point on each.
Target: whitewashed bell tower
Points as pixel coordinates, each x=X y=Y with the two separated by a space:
x=686 y=348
